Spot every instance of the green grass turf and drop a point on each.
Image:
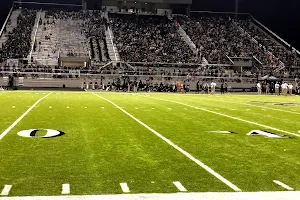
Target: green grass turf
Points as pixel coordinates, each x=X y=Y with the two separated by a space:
x=103 y=147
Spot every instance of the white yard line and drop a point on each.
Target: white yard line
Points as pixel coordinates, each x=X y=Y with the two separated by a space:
x=283 y=185
x=282 y=195
x=21 y=117
x=6 y=190
x=198 y=162
x=65 y=189
x=124 y=187
x=179 y=186
x=228 y=116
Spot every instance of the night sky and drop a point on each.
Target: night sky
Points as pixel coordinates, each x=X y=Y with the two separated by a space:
x=281 y=16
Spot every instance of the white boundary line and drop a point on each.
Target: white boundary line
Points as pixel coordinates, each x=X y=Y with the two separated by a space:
x=21 y=117
x=286 y=195
x=228 y=116
x=65 y=189
x=198 y=162
x=179 y=186
x=124 y=187
x=283 y=185
x=264 y=107
x=6 y=190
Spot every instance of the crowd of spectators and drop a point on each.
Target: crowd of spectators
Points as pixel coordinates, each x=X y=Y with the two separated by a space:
x=287 y=55
x=19 y=39
x=142 y=38
x=94 y=28
x=217 y=37
x=95 y=24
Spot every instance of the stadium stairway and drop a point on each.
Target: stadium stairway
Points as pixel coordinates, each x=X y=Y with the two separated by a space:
x=39 y=33
x=112 y=48
x=11 y=26
x=102 y=48
x=187 y=39
x=96 y=50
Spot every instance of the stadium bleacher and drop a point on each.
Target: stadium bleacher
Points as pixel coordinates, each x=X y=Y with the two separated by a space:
x=145 y=45
x=18 y=41
x=142 y=38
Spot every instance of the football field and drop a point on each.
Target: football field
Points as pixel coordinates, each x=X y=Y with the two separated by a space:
x=84 y=143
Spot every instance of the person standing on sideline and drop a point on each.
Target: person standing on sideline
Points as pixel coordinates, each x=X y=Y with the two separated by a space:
x=222 y=88
x=272 y=88
x=290 y=86
x=284 y=88
x=267 y=89
x=128 y=90
x=258 y=85
x=213 y=87
x=225 y=88
x=276 y=88
x=135 y=86
x=206 y=88
x=198 y=86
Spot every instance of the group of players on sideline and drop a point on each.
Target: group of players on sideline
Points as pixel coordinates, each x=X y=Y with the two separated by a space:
x=127 y=85
x=203 y=87
x=277 y=88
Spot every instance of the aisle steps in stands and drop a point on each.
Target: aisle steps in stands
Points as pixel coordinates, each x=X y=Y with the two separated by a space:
x=104 y=58
x=99 y=49
x=40 y=56
x=187 y=39
x=35 y=31
x=96 y=50
x=112 y=48
x=46 y=55
x=11 y=25
x=65 y=37
x=39 y=35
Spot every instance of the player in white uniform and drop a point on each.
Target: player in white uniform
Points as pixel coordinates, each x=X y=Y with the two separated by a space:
x=258 y=85
x=277 y=88
x=290 y=86
x=213 y=87
x=284 y=86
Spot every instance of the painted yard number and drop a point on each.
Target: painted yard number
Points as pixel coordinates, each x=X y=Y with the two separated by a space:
x=50 y=133
x=31 y=133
